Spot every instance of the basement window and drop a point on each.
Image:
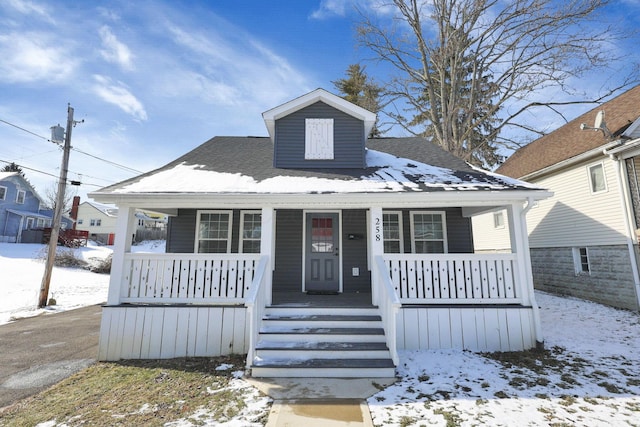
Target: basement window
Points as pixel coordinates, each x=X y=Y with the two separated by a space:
x=581 y=261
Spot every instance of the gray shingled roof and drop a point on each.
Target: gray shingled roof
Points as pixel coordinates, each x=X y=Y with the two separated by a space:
x=253 y=157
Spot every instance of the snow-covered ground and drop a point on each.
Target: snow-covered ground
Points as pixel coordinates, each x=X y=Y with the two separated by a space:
x=22 y=268
x=588 y=376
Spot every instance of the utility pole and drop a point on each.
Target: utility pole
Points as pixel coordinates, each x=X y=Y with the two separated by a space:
x=57 y=215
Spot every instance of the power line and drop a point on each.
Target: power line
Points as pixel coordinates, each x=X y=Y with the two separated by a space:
x=50 y=174
x=127 y=168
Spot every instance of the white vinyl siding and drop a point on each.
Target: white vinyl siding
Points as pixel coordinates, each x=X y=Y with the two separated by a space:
x=574 y=216
x=318 y=139
x=488 y=238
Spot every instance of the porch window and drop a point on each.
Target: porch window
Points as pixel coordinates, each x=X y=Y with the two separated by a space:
x=318 y=139
x=428 y=232
x=392 y=232
x=20 y=196
x=214 y=232
x=597 y=180
x=3 y=192
x=251 y=232
x=581 y=261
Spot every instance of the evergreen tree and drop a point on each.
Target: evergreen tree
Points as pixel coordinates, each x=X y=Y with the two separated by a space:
x=359 y=89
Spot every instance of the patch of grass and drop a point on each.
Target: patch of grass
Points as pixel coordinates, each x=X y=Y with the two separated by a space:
x=567 y=400
x=633 y=382
x=406 y=421
x=501 y=395
x=611 y=388
x=140 y=392
x=452 y=419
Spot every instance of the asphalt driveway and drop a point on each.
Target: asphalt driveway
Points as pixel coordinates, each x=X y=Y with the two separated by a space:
x=38 y=352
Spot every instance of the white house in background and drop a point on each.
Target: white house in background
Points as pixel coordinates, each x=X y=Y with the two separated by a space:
x=99 y=220
x=584 y=239
x=318 y=252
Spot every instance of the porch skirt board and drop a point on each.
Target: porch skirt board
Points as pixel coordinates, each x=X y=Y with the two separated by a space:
x=159 y=332
x=470 y=328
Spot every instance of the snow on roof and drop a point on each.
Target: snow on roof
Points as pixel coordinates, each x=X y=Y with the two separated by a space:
x=384 y=173
x=5 y=175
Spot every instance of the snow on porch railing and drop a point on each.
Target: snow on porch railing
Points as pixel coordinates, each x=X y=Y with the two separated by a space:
x=455 y=278
x=187 y=278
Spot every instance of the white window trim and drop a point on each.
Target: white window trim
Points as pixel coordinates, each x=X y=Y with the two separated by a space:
x=315 y=147
x=4 y=195
x=197 y=237
x=401 y=238
x=604 y=178
x=240 y=236
x=495 y=222
x=24 y=197
x=577 y=261
x=443 y=215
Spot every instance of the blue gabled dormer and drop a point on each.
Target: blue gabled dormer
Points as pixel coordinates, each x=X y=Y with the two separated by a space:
x=319 y=130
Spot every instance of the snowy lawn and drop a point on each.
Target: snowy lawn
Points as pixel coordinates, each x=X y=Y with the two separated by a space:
x=589 y=376
x=22 y=268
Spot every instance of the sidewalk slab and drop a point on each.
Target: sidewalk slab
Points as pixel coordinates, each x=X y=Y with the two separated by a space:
x=320 y=413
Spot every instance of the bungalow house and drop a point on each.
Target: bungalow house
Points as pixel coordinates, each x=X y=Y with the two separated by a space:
x=317 y=252
x=22 y=211
x=584 y=239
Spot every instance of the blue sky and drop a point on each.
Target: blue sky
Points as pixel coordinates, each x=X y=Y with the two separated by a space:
x=154 y=79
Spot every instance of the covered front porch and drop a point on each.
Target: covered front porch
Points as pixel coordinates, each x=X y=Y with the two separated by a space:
x=182 y=304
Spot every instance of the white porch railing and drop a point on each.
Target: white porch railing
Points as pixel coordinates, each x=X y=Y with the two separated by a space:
x=455 y=278
x=187 y=278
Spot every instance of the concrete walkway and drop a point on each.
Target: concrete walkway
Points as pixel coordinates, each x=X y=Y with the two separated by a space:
x=37 y=352
x=321 y=402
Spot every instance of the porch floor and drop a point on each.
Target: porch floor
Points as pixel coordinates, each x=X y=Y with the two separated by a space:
x=302 y=299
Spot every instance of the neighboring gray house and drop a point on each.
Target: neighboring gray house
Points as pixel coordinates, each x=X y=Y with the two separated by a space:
x=584 y=239
x=317 y=252
x=21 y=210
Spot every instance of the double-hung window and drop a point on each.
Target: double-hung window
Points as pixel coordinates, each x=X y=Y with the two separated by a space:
x=250 y=232
x=213 y=234
x=392 y=232
x=20 y=196
x=428 y=232
x=3 y=192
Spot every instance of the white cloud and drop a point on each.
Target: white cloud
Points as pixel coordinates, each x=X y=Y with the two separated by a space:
x=31 y=57
x=113 y=50
x=330 y=8
x=117 y=94
x=29 y=8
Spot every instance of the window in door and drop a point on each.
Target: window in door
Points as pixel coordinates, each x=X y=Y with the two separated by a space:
x=250 y=232
x=322 y=234
x=213 y=234
x=428 y=232
x=392 y=232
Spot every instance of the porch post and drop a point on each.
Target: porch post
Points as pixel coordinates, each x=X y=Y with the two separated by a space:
x=122 y=244
x=376 y=248
x=520 y=246
x=267 y=244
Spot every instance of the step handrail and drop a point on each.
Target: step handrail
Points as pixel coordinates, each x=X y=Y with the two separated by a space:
x=389 y=305
x=255 y=302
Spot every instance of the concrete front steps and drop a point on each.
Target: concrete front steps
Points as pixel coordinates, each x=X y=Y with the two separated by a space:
x=322 y=342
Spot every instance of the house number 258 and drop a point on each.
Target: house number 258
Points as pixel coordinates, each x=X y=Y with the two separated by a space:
x=377 y=230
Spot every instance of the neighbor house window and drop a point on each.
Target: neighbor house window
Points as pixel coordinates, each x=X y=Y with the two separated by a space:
x=80 y=221
x=318 y=143
x=428 y=232
x=213 y=232
x=392 y=232
x=30 y=223
x=596 y=178
x=40 y=223
x=20 y=197
x=3 y=192
x=581 y=260
x=95 y=222
x=498 y=220
x=250 y=232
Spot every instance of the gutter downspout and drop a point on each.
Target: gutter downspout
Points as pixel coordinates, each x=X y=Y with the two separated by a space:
x=630 y=232
x=537 y=324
